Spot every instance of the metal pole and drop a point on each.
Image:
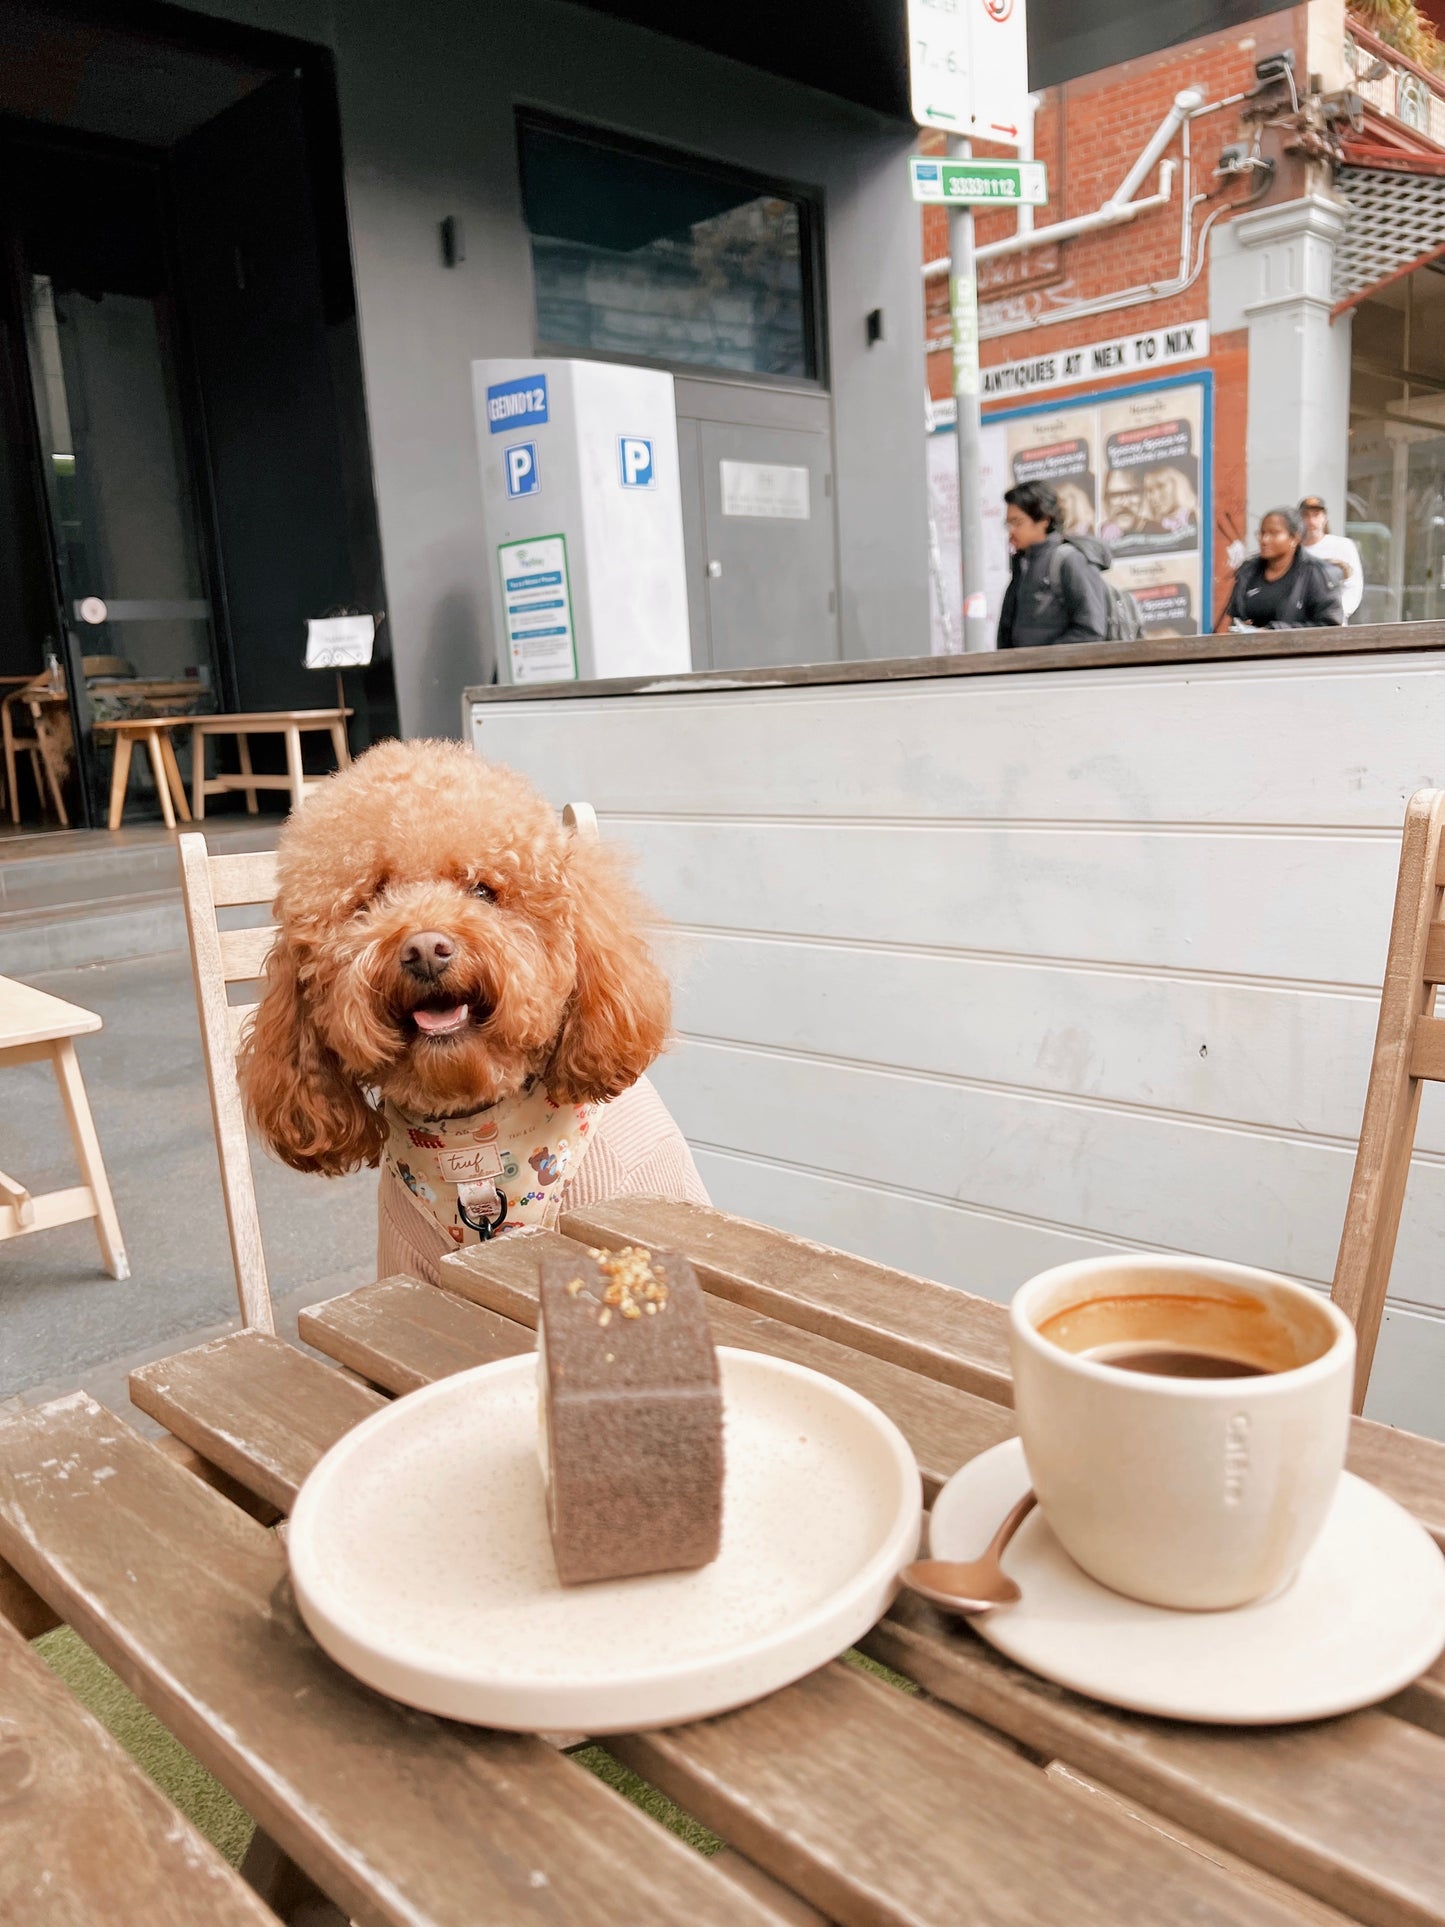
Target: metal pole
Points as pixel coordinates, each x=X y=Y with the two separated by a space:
x=963 y=313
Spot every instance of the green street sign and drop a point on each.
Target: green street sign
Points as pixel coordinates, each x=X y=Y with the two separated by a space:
x=980 y=183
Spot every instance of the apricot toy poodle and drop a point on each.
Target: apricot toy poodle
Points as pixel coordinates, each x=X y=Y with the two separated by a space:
x=462 y=992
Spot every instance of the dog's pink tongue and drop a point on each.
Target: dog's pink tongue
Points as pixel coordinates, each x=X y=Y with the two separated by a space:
x=436 y=1021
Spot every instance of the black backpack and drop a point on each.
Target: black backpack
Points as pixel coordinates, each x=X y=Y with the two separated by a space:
x=1123 y=623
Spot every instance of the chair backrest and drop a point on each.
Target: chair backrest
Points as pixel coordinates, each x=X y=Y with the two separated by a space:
x=1409 y=1048
x=220 y=958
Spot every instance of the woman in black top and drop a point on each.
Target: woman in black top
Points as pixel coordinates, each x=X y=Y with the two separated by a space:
x=1284 y=586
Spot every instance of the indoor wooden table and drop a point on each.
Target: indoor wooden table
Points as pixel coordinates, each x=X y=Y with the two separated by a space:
x=984 y=1795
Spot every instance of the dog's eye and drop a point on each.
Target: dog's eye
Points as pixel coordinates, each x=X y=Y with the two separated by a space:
x=484 y=891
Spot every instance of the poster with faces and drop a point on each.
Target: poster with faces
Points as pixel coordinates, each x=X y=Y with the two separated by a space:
x=1150 y=452
x=1059 y=449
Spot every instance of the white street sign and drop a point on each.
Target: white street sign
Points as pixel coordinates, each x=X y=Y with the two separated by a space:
x=968 y=67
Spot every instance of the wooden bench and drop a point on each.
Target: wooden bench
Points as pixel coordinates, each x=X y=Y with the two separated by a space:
x=291 y=724
x=38 y=1028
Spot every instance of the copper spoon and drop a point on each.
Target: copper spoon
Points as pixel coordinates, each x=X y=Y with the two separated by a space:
x=971 y=1585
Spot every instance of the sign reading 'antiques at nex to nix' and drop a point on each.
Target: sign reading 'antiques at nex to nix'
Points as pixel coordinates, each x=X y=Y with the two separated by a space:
x=980 y=183
x=968 y=67
x=1160 y=348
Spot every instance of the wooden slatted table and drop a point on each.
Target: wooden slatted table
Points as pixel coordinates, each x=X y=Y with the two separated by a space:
x=987 y=1797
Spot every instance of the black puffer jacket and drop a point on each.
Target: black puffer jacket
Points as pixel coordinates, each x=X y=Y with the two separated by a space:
x=1050 y=600
x=1309 y=595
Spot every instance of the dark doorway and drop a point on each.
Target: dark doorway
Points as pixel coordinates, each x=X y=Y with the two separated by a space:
x=185 y=473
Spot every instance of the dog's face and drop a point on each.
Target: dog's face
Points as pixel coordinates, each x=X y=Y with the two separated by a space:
x=443 y=939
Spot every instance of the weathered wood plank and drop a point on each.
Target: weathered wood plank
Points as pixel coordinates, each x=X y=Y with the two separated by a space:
x=882 y=1808
x=1351 y=1810
x=925 y=1327
x=85 y=1835
x=1410 y=1468
x=244 y=952
x=401 y=1334
x=1075 y=1786
x=397 y=1816
x=944 y=1426
x=254 y=1406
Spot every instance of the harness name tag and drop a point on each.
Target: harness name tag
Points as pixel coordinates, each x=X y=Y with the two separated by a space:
x=470 y=1165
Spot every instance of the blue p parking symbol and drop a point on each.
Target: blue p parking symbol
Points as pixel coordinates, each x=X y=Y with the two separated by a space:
x=520 y=462
x=635 y=454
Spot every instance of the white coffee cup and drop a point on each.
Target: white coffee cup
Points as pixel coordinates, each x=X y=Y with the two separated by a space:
x=1196 y=1492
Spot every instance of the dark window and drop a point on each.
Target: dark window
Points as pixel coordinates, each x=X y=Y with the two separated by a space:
x=659 y=259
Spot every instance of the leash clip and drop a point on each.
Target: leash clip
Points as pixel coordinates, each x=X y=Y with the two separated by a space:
x=486 y=1228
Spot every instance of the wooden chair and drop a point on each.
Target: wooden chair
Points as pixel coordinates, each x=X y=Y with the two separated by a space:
x=36 y=745
x=220 y=958
x=1409 y=1048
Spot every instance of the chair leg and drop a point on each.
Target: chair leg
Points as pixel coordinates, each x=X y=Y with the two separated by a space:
x=162 y=781
x=10 y=780
x=119 y=776
x=57 y=795
x=340 y=744
x=293 y=766
x=87 y=1151
x=198 y=774
x=37 y=777
x=173 y=775
x=243 y=751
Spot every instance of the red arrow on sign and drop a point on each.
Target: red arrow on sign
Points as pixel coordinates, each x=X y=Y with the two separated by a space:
x=996 y=127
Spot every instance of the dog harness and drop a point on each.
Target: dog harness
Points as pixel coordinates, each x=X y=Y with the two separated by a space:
x=498 y=1170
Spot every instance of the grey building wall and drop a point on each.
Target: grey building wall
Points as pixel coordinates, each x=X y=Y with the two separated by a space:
x=427 y=98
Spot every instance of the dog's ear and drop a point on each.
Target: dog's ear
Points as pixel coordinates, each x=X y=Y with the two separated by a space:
x=308 y=1109
x=621 y=1006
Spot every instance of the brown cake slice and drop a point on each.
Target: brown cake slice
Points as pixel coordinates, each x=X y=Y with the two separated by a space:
x=631 y=1415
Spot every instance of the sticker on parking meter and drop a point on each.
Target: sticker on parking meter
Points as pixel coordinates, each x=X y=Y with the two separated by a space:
x=537 y=609
x=634 y=460
x=520 y=468
x=517 y=404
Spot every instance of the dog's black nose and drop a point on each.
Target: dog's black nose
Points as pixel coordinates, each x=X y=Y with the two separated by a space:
x=426 y=954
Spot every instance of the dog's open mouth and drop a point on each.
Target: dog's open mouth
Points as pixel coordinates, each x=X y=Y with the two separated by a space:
x=442 y=1019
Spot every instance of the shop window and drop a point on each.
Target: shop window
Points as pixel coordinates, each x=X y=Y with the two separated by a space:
x=653 y=257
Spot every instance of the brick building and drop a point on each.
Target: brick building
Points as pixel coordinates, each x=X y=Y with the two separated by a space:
x=1244 y=275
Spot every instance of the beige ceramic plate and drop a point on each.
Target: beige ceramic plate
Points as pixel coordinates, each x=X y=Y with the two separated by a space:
x=422 y=1563
x=1364 y=1616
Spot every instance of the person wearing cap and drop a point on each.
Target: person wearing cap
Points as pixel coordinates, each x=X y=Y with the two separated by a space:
x=1338 y=552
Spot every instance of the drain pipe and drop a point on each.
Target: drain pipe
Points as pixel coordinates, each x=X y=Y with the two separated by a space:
x=1119 y=207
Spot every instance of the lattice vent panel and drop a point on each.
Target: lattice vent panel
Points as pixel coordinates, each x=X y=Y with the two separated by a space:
x=1394 y=219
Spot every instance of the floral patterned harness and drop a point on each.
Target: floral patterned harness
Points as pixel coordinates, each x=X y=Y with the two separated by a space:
x=498 y=1170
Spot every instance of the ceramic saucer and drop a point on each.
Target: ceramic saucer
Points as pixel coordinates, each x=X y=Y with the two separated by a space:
x=1363 y=1617
x=421 y=1559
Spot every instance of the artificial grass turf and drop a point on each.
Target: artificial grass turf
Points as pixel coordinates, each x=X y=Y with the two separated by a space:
x=204 y=1802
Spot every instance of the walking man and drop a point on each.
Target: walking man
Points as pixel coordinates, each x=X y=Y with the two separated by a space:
x=1055 y=592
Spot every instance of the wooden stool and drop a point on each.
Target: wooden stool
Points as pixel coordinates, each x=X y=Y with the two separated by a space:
x=34 y=1027
x=150 y=730
x=290 y=723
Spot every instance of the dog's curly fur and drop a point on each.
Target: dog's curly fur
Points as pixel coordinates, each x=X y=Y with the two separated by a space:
x=548 y=950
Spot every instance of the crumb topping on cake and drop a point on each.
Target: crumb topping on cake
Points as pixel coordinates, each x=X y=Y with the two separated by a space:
x=634 y=1287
